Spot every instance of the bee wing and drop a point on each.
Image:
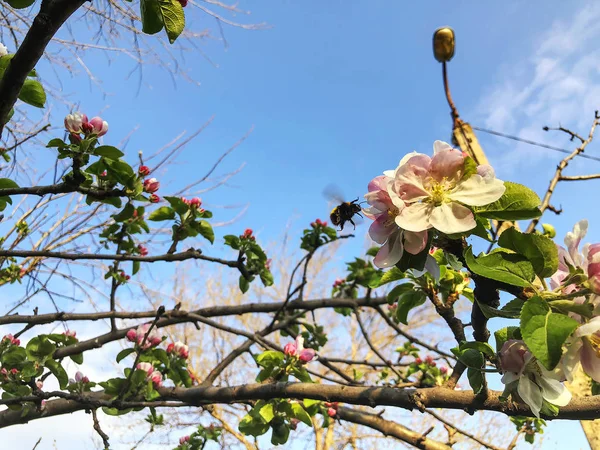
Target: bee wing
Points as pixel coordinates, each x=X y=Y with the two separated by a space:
x=333 y=193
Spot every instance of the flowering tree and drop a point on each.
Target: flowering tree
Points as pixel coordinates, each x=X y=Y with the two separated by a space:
x=429 y=213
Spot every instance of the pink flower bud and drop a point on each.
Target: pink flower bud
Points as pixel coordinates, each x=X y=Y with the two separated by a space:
x=131 y=335
x=39 y=384
x=290 y=349
x=70 y=333
x=146 y=367
x=78 y=376
x=74 y=122
x=429 y=360
x=151 y=185
x=143 y=250
x=156 y=378
x=144 y=171
x=14 y=371
x=181 y=349
x=99 y=126
x=183 y=3
x=418 y=361
x=268 y=264
x=183 y=440
x=594 y=268
x=154 y=198
x=331 y=412
x=307 y=355
x=104 y=174
x=294 y=423
x=313 y=225
x=514 y=356
x=3 y=372
x=444 y=370
x=195 y=202
x=247 y=233
x=170 y=348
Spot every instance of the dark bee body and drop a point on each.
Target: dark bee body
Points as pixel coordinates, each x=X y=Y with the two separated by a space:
x=344 y=212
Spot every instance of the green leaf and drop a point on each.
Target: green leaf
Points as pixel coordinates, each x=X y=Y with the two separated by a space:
x=281 y=434
x=177 y=204
x=407 y=302
x=33 y=93
x=205 y=230
x=505 y=334
x=124 y=353
x=417 y=262
x=121 y=172
x=501 y=266
x=302 y=374
x=115 y=411
x=39 y=348
x=539 y=250
x=125 y=213
x=20 y=4
x=567 y=306
x=517 y=203
x=77 y=359
x=13 y=357
x=152 y=19
x=399 y=290
x=512 y=310
x=56 y=142
x=266 y=412
x=108 y=152
x=244 y=284
x=162 y=213
x=476 y=379
x=545 y=332
x=391 y=275
x=251 y=426
x=7 y=183
x=173 y=18
x=270 y=358
x=482 y=347
x=301 y=414
x=59 y=372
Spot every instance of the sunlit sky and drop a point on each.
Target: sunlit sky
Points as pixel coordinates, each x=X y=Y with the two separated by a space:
x=336 y=92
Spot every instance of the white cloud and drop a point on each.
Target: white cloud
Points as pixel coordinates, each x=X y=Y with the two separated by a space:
x=555 y=84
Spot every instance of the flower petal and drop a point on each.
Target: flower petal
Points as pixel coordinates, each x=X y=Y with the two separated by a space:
x=554 y=391
x=450 y=218
x=531 y=394
x=589 y=328
x=380 y=230
x=415 y=217
x=570 y=359
x=590 y=361
x=447 y=164
x=414 y=243
x=477 y=190
x=410 y=180
x=573 y=239
x=391 y=252
x=439 y=146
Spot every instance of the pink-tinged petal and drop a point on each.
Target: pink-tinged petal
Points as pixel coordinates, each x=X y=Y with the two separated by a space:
x=440 y=146
x=593 y=253
x=590 y=361
x=372 y=212
x=410 y=183
x=531 y=394
x=424 y=159
x=563 y=259
x=477 y=191
x=554 y=392
x=390 y=253
x=570 y=359
x=382 y=228
x=415 y=242
x=394 y=197
x=451 y=218
x=510 y=377
x=415 y=217
x=486 y=171
x=447 y=164
x=378 y=183
x=573 y=239
x=588 y=329
x=379 y=200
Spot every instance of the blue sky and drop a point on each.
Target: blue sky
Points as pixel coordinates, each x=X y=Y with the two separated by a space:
x=337 y=92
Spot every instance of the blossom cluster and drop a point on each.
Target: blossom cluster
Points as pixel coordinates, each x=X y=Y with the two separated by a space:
x=138 y=335
x=78 y=123
x=296 y=349
x=425 y=193
x=578 y=272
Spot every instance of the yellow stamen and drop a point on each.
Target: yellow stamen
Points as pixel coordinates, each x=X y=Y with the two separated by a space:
x=594 y=341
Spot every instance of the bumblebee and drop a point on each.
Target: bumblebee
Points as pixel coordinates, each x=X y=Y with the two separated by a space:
x=344 y=212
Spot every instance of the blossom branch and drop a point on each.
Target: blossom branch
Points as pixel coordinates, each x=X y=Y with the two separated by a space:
x=410 y=399
x=52 y=15
x=559 y=169
x=579 y=177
